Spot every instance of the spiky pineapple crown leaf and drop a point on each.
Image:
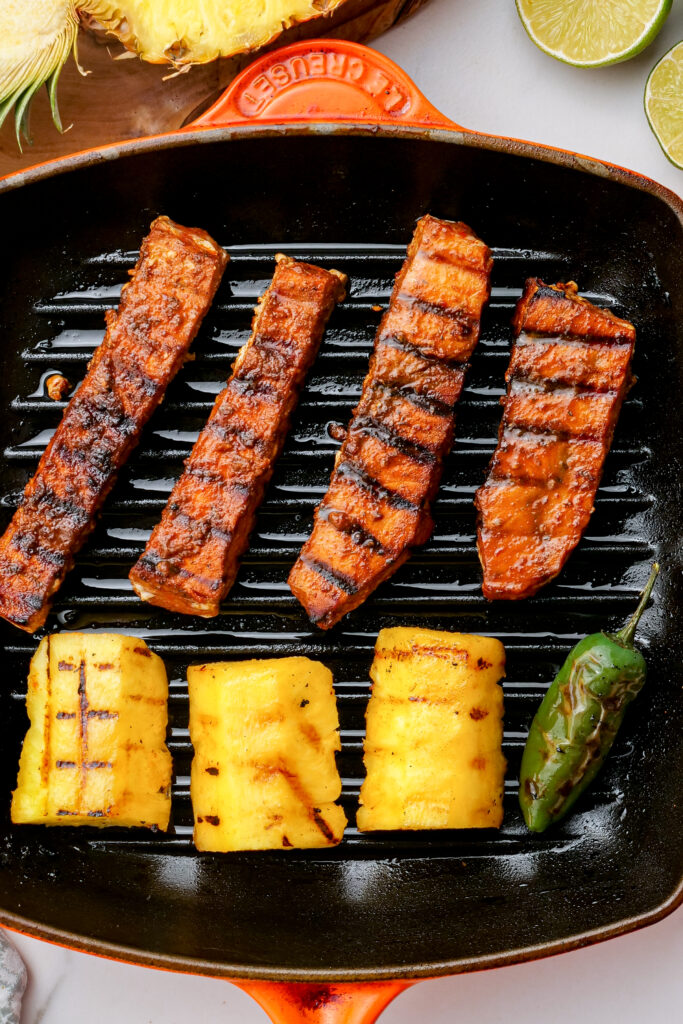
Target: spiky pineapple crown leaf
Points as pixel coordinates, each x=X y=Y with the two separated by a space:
x=37 y=36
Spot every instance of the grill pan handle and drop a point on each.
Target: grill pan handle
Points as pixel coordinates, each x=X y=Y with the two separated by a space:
x=330 y=80
x=323 y=1003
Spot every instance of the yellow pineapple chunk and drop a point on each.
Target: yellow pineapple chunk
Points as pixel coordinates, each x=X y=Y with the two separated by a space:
x=95 y=751
x=264 y=775
x=434 y=732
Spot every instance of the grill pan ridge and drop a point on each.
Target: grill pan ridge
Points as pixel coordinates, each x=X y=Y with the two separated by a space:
x=363 y=907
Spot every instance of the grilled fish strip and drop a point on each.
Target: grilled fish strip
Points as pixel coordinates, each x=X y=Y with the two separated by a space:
x=388 y=469
x=146 y=343
x=191 y=559
x=567 y=378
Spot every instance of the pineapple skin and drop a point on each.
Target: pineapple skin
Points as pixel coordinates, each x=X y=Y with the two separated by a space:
x=264 y=775
x=95 y=751
x=434 y=732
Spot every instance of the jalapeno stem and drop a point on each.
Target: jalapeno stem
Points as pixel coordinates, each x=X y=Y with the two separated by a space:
x=625 y=635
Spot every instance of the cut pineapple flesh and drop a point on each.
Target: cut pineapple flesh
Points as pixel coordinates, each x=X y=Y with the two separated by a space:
x=264 y=775
x=187 y=32
x=434 y=732
x=95 y=751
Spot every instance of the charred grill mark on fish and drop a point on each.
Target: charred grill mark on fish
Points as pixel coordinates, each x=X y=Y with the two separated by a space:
x=389 y=466
x=145 y=344
x=569 y=372
x=191 y=559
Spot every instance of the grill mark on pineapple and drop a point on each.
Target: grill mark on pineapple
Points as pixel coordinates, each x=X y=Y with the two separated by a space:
x=422 y=700
x=103 y=714
x=311 y=734
x=66 y=714
x=444 y=653
x=47 y=732
x=146 y=700
x=322 y=825
x=270 y=717
x=390 y=698
x=83 y=727
x=294 y=782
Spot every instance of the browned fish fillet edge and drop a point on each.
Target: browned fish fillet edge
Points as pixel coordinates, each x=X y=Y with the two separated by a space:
x=160 y=577
x=326 y=593
x=622 y=331
x=31 y=569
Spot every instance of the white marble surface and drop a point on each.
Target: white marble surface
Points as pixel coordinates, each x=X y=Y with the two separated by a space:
x=633 y=979
x=473 y=60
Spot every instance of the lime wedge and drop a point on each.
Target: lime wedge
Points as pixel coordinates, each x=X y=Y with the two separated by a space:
x=593 y=33
x=664 y=103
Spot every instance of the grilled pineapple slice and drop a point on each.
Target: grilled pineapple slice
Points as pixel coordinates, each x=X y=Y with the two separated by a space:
x=264 y=775
x=94 y=753
x=434 y=732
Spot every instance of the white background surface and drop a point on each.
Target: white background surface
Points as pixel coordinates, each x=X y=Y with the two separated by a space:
x=473 y=60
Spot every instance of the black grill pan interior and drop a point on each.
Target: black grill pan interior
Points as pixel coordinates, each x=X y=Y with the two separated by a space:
x=412 y=902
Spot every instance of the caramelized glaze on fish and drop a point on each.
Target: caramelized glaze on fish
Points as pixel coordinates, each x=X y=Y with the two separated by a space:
x=568 y=375
x=146 y=343
x=388 y=469
x=192 y=557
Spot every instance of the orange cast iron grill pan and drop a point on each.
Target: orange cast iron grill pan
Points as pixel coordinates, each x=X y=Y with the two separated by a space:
x=330 y=154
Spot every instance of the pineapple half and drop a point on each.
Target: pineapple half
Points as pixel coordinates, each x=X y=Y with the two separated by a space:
x=37 y=36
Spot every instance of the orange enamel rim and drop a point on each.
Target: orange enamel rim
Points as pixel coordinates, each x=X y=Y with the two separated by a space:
x=332 y=85
x=328 y=86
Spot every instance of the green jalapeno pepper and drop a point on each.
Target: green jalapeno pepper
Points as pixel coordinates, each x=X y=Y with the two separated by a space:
x=575 y=726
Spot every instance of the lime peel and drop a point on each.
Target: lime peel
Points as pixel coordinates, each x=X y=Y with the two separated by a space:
x=592 y=33
x=664 y=103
